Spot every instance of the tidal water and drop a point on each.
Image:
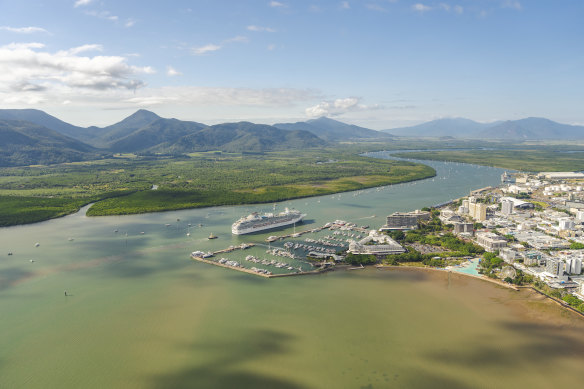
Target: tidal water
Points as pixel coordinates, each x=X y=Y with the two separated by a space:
x=140 y=314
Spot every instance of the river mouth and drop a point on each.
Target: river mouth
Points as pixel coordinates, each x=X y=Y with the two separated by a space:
x=140 y=313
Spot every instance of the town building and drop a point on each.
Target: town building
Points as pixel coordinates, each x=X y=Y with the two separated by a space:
x=463 y=228
x=490 y=242
x=376 y=244
x=506 y=207
x=405 y=220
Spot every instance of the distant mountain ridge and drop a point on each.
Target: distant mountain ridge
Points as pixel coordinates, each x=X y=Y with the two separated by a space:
x=522 y=129
x=456 y=127
x=31 y=136
x=333 y=130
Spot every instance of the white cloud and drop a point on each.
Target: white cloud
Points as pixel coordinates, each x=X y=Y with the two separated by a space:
x=171 y=72
x=81 y=49
x=237 y=39
x=102 y=15
x=25 y=68
x=458 y=9
x=337 y=107
x=81 y=3
x=314 y=8
x=375 y=7
x=260 y=29
x=444 y=6
x=206 y=49
x=211 y=47
x=192 y=95
x=421 y=7
x=276 y=4
x=130 y=23
x=512 y=4
x=271 y=46
x=345 y=5
x=23 y=30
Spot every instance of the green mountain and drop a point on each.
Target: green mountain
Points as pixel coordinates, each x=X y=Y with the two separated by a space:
x=241 y=137
x=42 y=118
x=25 y=143
x=159 y=132
x=114 y=133
x=533 y=128
x=333 y=130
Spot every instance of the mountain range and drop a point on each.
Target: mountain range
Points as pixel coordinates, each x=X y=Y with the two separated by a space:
x=523 y=129
x=30 y=136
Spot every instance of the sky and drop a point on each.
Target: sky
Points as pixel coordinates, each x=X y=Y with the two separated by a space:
x=380 y=64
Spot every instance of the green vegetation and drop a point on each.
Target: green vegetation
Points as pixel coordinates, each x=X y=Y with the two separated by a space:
x=124 y=185
x=360 y=259
x=524 y=159
x=576 y=246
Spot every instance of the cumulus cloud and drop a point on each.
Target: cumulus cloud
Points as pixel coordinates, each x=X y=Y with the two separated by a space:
x=337 y=107
x=260 y=29
x=276 y=4
x=81 y=3
x=25 y=67
x=23 y=30
x=421 y=7
x=170 y=71
x=130 y=23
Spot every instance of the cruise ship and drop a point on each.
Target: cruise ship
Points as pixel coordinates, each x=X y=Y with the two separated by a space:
x=256 y=222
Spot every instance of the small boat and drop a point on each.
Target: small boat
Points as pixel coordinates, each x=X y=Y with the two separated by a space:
x=188 y=234
x=10 y=253
x=115 y=231
x=71 y=239
x=211 y=236
x=37 y=244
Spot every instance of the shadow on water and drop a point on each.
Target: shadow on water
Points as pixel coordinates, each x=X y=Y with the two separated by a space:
x=12 y=276
x=542 y=344
x=350 y=205
x=221 y=369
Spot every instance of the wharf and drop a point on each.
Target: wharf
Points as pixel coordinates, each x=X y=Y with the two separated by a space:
x=249 y=271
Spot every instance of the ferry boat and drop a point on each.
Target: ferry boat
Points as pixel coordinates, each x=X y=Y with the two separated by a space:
x=256 y=222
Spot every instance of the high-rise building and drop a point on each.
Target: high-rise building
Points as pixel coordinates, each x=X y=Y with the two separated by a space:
x=506 y=207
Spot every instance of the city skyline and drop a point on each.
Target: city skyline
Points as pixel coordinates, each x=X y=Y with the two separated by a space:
x=379 y=64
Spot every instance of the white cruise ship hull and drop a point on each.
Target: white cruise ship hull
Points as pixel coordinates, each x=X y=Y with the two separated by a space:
x=242 y=231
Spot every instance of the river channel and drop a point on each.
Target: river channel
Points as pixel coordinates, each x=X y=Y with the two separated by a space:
x=140 y=314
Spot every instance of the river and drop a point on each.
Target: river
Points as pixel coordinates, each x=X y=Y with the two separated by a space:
x=140 y=314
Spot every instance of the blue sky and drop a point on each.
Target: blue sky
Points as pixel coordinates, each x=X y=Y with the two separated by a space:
x=377 y=63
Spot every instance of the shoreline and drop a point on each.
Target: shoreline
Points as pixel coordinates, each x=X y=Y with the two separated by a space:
x=483 y=278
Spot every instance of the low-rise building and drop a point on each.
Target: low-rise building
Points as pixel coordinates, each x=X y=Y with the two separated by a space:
x=490 y=242
x=405 y=220
x=376 y=244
